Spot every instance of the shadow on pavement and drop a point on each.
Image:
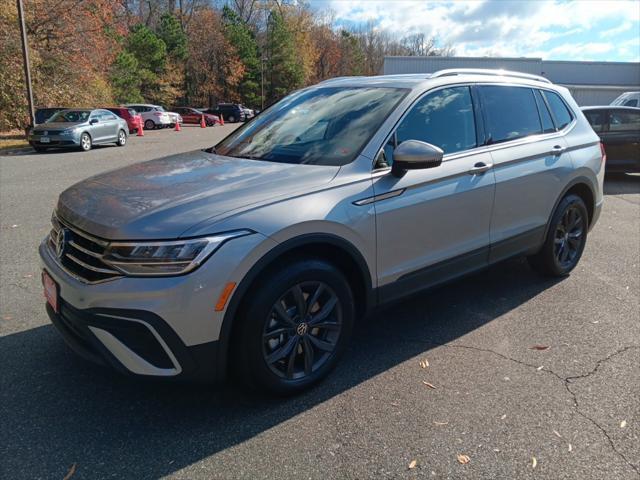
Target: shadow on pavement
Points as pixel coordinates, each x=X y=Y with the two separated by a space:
x=57 y=409
x=621 y=183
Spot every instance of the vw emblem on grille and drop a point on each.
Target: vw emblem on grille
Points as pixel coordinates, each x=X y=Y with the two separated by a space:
x=62 y=240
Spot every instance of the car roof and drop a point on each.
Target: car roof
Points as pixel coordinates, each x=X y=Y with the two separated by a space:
x=609 y=107
x=441 y=77
x=140 y=105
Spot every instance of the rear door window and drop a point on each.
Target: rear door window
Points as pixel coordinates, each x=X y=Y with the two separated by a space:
x=510 y=112
x=559 y=109
x=597 y=120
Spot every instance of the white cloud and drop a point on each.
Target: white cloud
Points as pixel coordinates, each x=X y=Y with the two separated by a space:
x=508 y=28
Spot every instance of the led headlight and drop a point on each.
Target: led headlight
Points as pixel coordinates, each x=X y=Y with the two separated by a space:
x=165 y=258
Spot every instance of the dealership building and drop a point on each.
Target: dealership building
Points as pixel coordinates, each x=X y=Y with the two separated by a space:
x=590 y=83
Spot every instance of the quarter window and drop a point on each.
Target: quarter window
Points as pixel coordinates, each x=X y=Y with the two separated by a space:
x=560 y=111
x=443 y=118
x=510 y=113
x=631 y=103
x=545 y=116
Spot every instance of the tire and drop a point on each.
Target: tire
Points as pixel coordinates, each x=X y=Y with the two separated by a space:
x=566 y=239
x=149 y=125
x=85 y=142
x=122 y=138
x=272 y=349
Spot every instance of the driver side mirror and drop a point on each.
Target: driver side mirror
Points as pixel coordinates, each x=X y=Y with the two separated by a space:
x=93 y=121
x=413 y=155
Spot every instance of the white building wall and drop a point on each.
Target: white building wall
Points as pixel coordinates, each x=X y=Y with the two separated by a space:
x=591 y=83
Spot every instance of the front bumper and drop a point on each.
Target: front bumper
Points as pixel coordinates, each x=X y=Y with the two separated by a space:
x=54 y=140
x=154 y=327
x=133 y=342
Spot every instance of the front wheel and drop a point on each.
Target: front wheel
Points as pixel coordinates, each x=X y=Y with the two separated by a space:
x=122 y=139
x=294 y=327
x=85 y=142
x=149 y=125
x=566 y=239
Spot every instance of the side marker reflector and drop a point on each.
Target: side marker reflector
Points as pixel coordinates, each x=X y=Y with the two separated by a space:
x=224 y=296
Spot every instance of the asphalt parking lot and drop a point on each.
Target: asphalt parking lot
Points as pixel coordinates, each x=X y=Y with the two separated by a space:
x=524 y=377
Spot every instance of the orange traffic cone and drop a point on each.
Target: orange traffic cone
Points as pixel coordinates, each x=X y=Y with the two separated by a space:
x=202 y=122
x=140 y=129
x=221 y=119
x=177 y=129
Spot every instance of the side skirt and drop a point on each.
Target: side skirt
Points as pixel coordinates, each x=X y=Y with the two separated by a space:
x=448 y=270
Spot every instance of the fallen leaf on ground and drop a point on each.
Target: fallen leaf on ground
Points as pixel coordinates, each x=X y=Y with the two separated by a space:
x=557 y=434
x=412 y=465
x=540 y=347
x=428 y=385
x=463 y=459
x=72 y=470
x=503 y=416
x=534 y=462
x=623 y=423
x=570 y=447
x=441 y=423
x=540 y=367
x=15 y=226
x=7 y=317
x=28 y=275
x=424 y=363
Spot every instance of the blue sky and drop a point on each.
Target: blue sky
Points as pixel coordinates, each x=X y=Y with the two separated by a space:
x=552 y=29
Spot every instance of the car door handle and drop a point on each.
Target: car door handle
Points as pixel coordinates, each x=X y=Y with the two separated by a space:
x=480 y=167
x=557 y=150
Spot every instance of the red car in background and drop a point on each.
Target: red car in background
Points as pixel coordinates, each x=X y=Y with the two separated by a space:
x=134 y=120
x=193 y=115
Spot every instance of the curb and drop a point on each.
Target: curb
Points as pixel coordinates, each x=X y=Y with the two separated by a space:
x=14 y=151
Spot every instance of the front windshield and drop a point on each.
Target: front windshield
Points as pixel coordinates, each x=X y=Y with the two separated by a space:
x=319 y=126
x=71 y=116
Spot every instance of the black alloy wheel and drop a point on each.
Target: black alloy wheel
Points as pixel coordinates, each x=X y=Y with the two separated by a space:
x=302 y=330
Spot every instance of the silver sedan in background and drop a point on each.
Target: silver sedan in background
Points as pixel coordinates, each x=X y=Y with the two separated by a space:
x=79 y=128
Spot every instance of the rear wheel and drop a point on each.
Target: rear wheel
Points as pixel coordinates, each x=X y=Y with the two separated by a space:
x=231 y=119
x=566 y=239
x=149 y=125
x=294 y=327
x=85 y=142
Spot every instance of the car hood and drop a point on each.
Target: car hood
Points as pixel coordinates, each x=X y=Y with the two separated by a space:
x=163 y=198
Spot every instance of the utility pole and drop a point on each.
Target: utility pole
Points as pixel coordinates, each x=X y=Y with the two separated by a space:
x=25 y=57
x=262 y=60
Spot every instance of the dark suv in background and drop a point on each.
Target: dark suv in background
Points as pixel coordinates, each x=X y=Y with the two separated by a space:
x=230 y=112
x=619 y=131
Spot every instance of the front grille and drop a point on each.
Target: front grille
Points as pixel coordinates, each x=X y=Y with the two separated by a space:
x=79 y=254
x=49 y=132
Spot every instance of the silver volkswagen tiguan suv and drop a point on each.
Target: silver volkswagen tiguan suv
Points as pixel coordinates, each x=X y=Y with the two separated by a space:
x=257 y=255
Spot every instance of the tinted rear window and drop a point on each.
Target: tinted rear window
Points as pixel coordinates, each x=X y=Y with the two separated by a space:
x=559 y=110
x=624 y=121
x=510 y=112
x=596 y=119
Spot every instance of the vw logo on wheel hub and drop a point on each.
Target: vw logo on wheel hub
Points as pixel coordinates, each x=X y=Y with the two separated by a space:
x=302 y=329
